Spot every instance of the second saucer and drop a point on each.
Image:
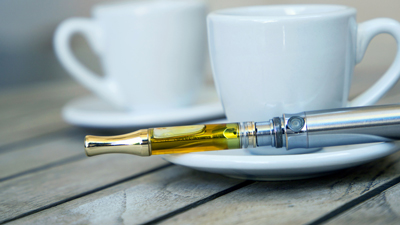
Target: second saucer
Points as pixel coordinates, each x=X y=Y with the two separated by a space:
x=93 y=112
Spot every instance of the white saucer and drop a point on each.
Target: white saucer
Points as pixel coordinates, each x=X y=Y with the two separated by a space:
x=90 y=111
x=241 y=164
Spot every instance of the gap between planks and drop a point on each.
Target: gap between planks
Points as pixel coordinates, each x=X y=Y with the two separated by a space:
x=165 y=192
x=54 y=204
x=40 y=154
x=31 y=112
x=183 y=196
x=383 y=208
x=293 y=202
x=357 y=201
x=31 y=192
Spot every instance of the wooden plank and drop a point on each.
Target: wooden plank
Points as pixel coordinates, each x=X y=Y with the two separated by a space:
x=39 y=92
x=34 y=191
x=14 y=113
x=292 y=202
x=28 y=100
x=38 y=190
x=29 y=112
x=137 y=201
x=31 y=126
x=381 y=209
x=47 y=151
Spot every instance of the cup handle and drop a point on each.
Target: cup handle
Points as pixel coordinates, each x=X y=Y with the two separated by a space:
x=366 y=31
x=103 y=87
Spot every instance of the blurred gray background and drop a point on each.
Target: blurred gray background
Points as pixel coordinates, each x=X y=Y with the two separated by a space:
x=27 y=27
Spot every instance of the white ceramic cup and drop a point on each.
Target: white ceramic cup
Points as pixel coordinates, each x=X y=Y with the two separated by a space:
x=152 y=52
x=269 y=60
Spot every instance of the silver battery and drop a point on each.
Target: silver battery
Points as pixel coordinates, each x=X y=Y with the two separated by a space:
x=344 y=126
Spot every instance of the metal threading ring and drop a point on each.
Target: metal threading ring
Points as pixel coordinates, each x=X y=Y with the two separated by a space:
x=248 y=135
x=277 y=132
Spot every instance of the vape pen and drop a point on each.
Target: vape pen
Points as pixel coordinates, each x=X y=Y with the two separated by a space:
x=311 y=129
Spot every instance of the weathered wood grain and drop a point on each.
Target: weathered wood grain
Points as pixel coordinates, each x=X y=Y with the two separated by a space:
x=36 y=99
x=47 y=151
x=32 y=126
x=37 y=190
x=42 y=91
x=29 y=112
x=137 y=201
x=381 y=209
x=35 y=111
x=292 y=202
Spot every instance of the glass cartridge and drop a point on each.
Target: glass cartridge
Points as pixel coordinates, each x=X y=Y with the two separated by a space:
x=186 y=139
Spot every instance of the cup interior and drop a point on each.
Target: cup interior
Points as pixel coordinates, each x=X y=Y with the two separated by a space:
x=283 y=10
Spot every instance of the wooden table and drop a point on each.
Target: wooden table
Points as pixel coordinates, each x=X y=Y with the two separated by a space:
x=45 y=178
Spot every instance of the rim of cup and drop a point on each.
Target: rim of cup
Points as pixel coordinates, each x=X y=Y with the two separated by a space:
x=285 y=11
x=142 y=6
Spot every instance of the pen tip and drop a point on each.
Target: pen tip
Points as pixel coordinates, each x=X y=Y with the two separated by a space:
x=135 y=143
x=86 y=145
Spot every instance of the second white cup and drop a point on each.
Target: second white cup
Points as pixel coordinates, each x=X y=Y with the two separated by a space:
x=152 y=52
x=269 y=60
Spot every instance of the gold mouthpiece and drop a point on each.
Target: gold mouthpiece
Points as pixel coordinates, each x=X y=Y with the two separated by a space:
x=136 y=143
